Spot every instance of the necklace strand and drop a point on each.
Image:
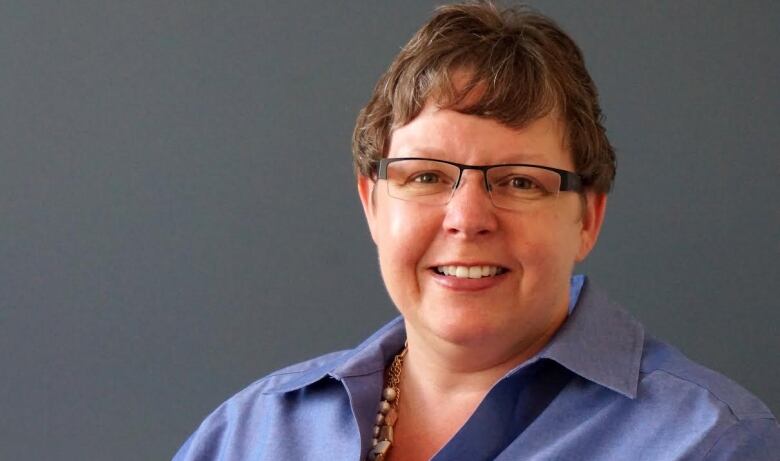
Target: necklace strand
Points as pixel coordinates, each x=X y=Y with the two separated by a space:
x=387 y=414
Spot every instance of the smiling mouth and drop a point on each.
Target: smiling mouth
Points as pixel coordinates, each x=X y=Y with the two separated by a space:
x=469 y=272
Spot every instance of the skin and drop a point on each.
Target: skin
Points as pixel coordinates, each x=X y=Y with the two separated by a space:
x=464 y=336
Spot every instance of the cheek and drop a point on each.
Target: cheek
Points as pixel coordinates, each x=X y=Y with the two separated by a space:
x=406 y=233
x=546 y=244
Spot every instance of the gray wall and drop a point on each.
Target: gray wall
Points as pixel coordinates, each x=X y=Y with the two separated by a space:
x=179 y=215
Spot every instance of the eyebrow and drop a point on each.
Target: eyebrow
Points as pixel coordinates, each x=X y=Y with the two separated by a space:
x=438 y=154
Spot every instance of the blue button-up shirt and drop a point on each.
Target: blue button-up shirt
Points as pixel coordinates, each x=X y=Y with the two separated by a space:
x=600 y=390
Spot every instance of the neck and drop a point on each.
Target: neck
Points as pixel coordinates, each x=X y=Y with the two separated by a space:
x=434 y=366
x=442 y=383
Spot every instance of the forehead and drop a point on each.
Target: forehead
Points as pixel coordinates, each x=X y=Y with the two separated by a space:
x=450 y=135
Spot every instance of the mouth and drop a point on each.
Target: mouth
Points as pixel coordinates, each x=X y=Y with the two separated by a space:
x=469 y=272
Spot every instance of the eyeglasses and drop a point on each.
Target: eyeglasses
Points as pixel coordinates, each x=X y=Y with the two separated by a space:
x=510 y=186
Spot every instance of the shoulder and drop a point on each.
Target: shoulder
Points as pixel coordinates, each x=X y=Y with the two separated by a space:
x=307 y=400
x=732 y=422
x=669 y=367
x=295 y=375
x=239 y=424
x=285 y=379
x=696 y=412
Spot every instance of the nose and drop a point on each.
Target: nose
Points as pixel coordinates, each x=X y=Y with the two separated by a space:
x=470 y=211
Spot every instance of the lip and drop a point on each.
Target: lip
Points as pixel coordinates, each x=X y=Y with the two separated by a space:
x=467 y=284
x=468 y=264
x=461 y=262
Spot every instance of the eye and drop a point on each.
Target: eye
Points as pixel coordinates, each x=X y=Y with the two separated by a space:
x=522 y=182
x=426 y=178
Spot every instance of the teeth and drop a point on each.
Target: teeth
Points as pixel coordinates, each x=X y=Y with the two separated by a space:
x=470 y=272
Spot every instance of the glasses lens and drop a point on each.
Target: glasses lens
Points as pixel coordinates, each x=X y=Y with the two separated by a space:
x=425 y=181
x=517 y=187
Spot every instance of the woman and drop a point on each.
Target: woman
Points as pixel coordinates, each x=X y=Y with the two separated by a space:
x=483 y=170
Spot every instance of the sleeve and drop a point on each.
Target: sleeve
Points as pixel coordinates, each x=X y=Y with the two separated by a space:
x=753 y=439
x=206 y=443
x=184 y=450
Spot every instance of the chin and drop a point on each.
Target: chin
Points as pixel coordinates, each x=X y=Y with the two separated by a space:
x=460 y=329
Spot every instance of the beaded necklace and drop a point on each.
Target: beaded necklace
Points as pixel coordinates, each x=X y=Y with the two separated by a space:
x=387 y=415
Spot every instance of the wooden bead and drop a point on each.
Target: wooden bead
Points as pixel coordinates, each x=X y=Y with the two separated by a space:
x=389 y=394
x=381 y=447
x=384 y=407
x=386 y=433
x=376 y=432
x=380 y=419
x=391 y=417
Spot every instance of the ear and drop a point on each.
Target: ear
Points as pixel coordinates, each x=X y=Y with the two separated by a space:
x=366 y=192
x=592 y=219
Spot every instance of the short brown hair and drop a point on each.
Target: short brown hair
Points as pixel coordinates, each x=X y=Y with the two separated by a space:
x=523 y=66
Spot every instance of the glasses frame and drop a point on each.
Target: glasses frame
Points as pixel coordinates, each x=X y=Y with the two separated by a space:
x=570 y=181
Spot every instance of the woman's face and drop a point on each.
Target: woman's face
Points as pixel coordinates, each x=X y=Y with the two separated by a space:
x=535 y=249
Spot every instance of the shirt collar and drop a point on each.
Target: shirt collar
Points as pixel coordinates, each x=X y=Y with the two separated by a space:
x=600 y=342
x=369 y=357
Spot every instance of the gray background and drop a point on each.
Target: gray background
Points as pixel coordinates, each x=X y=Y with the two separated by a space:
x=179 y=214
